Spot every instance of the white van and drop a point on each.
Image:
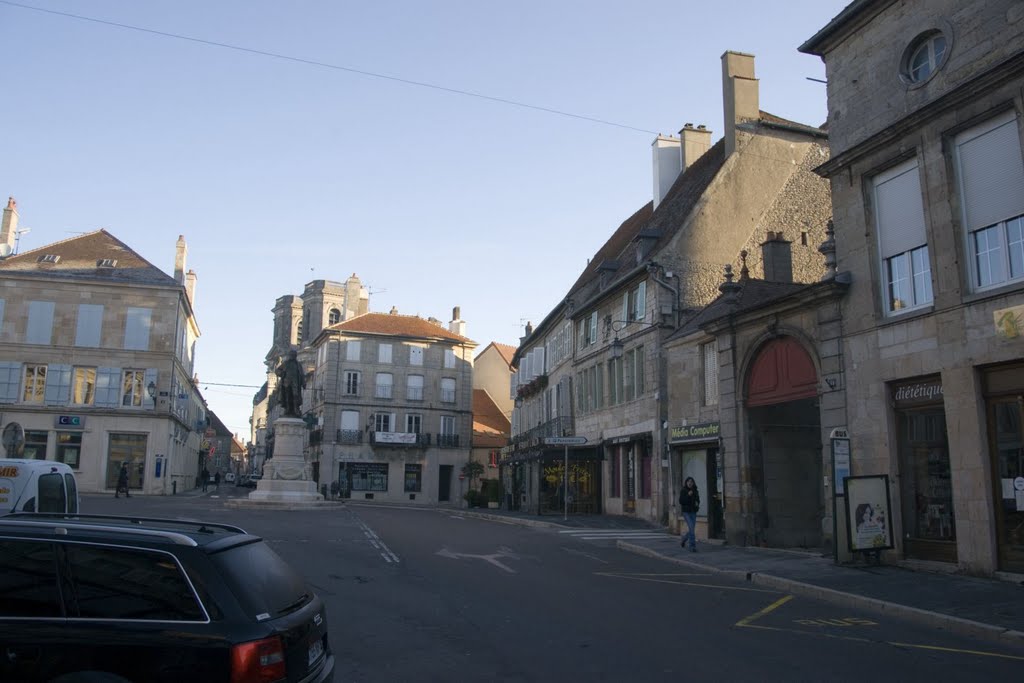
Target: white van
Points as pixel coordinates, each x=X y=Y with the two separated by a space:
x=37 y=486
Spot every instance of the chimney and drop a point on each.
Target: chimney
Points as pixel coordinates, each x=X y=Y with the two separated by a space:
x=778 y=258
x=667 y=165
x=739 y=94
x=457 y=324
x=179 y=260
x=529 y=331
x=694 y=142
x=190 y=287
x=9 y=229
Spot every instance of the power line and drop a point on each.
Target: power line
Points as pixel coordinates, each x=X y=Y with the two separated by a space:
x=337 y=67
x=222 y=384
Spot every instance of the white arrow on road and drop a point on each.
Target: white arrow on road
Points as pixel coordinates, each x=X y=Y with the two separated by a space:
x=492 y=559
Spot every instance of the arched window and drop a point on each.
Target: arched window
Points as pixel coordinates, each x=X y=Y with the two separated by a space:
x=298 y=332
x=334 y=317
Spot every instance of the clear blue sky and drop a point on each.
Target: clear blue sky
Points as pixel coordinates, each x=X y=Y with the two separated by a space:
x=279 y=172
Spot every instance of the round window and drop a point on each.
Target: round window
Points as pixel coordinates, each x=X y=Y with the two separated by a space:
x=926 y=55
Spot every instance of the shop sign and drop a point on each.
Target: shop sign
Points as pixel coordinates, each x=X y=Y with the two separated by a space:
x=1009 y=322
x=868 y=513
x=70 y=421
x=928 y=391
x=408 y=438
x=703 y=431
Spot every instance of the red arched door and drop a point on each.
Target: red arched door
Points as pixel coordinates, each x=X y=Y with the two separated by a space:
x=781 y=372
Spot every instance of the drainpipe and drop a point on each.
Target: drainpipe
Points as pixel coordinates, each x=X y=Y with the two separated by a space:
x=662 y=398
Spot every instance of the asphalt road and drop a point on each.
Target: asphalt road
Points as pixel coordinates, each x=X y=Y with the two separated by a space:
x=429 y=595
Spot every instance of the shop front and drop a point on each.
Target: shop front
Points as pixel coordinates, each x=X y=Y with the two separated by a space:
x=926 y=491
x=582 y=486
x=1004 y=408
x=630 y=472
x=695 y=453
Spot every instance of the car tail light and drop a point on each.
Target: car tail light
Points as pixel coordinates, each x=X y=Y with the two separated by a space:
x=261 y=661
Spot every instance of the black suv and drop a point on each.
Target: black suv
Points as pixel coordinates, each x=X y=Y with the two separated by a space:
x=103 y=598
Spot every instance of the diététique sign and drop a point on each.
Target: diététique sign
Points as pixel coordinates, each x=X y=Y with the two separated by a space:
x=702 y=431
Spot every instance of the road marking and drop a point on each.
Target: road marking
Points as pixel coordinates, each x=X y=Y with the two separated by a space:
x=845 y=621
x=642 y=577
x=379 y=545
x=747 y=621
x=586 y=555
x=493 y=558
x=956 y=650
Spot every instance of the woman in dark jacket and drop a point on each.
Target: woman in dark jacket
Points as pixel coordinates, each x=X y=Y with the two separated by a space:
x=689 y=503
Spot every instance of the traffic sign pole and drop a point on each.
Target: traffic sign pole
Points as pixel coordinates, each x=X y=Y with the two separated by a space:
x=565 y=484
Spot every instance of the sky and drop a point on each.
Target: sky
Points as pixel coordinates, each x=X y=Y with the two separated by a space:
x=313 y=139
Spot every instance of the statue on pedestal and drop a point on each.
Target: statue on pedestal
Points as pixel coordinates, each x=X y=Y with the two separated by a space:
x=291 y=382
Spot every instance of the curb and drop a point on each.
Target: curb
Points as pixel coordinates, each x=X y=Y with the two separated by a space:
x=237 y=504
x=921 y=616
x=518 y=521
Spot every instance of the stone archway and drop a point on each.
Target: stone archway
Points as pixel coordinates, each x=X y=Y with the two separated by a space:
x=784 y=444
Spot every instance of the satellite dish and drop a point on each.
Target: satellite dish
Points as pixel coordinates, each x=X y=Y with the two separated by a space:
x=5 y=250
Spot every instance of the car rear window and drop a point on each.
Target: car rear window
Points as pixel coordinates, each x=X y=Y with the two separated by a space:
x=266 y=586
x=51 y=493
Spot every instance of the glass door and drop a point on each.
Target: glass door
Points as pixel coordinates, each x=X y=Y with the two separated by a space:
x=1004 y=416
x=926 y=486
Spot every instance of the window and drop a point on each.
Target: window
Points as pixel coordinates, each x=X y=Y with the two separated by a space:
x=132 y=388
x=615 y=382
x=991 y=175
x=709 y=354
x=40 y=322
x=120 y=583
x=899 y=216
x=58 y=385
x=449 y=358
x=447 y=390
x=415 y=355
x=351 y=430
x=351 y=383
x=52 y=497
x=28 y=580
x=413 y=423
x=414 y=387
x=69 y=448
x=136 y=329
x=89 y=326
x=10 y=381
x=108 y=387
x=632 y=374
x=925 y=55
x=130 y=449
x=413 y=478
x=35 y=445
x=384 y=353
x=384 y=382
x=353 y=347
x=35 y=384
x=382 y=422
x=298 y=332
x=634 y=303
x=369 y=476
x=447 y=424
x=334 y=317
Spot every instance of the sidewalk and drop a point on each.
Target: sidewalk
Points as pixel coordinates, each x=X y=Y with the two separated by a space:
x=987 y=608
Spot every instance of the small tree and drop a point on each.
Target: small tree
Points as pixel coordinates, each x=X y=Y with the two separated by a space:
x=472 y=470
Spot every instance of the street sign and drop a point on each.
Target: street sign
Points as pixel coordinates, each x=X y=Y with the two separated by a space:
x=564 y=440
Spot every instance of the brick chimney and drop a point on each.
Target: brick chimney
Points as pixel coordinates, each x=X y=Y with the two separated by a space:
x=668 y=164
x=777 y=254
x=179 y=260
x=739 y=95
x=9 y=227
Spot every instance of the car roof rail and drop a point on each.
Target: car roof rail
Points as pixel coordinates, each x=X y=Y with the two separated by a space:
x=172 y=536
x=189 y=523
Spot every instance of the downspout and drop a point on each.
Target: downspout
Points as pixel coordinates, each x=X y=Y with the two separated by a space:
x=662 y=397
x=737 y=381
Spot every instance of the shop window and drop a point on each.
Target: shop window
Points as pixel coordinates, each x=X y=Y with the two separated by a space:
x=413 y=478
x=130 y=449
x=35 y=444
x=69 y=448
x=616 y=482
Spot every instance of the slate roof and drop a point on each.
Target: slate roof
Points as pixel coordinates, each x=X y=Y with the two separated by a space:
x=753 y=294
x=490 y=426
x=395 y=325
x=80 y=258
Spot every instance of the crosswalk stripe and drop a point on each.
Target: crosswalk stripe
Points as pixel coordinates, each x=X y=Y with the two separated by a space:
x=606 y=537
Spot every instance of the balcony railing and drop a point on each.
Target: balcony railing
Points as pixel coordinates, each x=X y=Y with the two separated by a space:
x=383 y=391
x=414 y=393
x=350 y=436
x=448 y=440
x=559 y=426
x=399 y=439
x=448 y=396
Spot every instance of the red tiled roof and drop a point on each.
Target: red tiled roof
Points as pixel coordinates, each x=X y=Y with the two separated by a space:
x=393 y=324
x=490 y=426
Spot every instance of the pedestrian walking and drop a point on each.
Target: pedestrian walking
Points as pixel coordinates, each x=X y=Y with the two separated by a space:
x=122 y=482
x=205 y=476
x=216 y=480
x=689 y=503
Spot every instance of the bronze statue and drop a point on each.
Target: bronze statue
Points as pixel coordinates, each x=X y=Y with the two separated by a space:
x=291 y=382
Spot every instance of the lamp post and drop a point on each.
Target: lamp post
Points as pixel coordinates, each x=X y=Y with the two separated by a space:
x=151 y=389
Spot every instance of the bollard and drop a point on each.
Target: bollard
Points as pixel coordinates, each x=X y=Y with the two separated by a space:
x=174 y=488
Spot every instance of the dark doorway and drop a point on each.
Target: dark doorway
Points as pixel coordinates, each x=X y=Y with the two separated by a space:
x=716 y=506
x=444 y=483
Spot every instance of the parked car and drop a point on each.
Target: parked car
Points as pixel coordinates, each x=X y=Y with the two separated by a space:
x=229 y=478
x=37 y=486
x=92 y=597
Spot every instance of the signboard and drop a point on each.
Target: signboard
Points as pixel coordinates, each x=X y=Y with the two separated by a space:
x=565 y=440
x=396 y=437
x=917 y=393
x=868 y=513
x=70 y=421
x=1009 y=322
x=840 y=463
x=702 y=431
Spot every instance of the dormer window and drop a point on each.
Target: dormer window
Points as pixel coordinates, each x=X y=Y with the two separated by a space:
x=49 y=258
x=106 y=263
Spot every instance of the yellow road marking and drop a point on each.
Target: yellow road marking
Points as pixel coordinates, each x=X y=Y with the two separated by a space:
x=746 y=621
x=956 y=650
x=683 y=583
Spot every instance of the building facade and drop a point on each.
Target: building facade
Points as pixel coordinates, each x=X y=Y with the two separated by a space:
x=97 y=350
x=392 y=408
x=925 y=120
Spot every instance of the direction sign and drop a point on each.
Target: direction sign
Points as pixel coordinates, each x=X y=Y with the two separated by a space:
x=564 y=440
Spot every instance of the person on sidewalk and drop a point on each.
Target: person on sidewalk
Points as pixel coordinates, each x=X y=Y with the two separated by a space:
x=205 y=476
x=216 y=479
x=689 y=503
x=122 y=482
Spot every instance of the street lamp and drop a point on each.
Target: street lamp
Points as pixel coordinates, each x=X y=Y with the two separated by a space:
x=615 y=346
x=152 y=391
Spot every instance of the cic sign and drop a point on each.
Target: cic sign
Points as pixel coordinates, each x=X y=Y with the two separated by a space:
x=70 y=421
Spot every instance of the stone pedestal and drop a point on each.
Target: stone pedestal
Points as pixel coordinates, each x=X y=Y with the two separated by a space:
x=287 y=476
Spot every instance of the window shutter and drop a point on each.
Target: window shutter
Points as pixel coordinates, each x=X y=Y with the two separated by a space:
x=10 y=381
x=40 y=322
x=58 y=385
x=350 y=420
x=593 y=327
x=89 y=327
x=108 y=387
x=384 y=353
x=625 y=307
x=352 y=349
x=641 y=301
x=991 y=172
x=899 y=211
x=136 y=329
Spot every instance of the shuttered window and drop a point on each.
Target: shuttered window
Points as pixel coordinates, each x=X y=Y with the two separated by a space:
x=58 y=385
x=40 y=322
x=352 y=350
x=902 y=238
x=136 y=329
x=108 y=387
x=89 y=326
x=10 y=381
x=709 y=352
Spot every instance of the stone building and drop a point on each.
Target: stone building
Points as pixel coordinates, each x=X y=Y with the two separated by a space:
x=492 y=405
x=392 y=407
x=927 y=183
x=97 y=350
x=661 y=266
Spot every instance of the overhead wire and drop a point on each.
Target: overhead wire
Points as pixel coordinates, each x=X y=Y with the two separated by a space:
x=327 y=65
